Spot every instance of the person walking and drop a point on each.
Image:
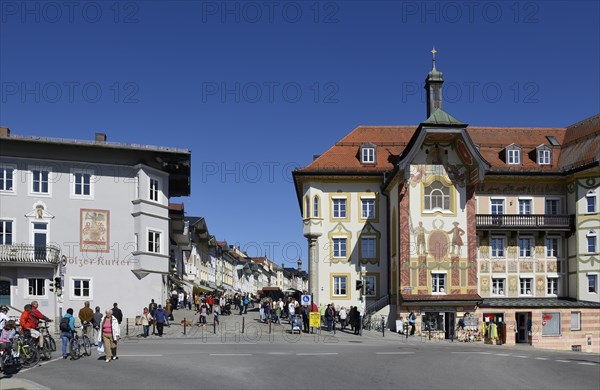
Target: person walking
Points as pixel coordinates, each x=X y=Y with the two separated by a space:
x=412 y=320
x=110 y=335
x=161 y=317
x=356 y=321
x=66 y=334
x=96 y=322
x=305 y=318
x=146 y=321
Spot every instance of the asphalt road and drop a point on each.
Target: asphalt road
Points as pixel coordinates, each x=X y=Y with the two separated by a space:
x=309 y=363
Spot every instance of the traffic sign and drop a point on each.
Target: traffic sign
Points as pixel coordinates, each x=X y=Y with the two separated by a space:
x=305 y=299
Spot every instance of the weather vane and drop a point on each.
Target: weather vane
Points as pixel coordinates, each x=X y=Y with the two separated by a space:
x=433 y=51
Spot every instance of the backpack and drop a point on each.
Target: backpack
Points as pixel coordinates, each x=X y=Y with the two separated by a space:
x=64 y=325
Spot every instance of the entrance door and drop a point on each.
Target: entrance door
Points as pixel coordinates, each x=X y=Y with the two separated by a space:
x=522 y=334
x=40 y=238
x=4 y=292
x=449 y=321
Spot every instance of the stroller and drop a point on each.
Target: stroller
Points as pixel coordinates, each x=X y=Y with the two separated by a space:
x=226 y=310
x=296 y=323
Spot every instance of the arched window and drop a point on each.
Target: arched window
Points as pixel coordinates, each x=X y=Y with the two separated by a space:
x=306 y=207
x=437 y=197
x=316 y=206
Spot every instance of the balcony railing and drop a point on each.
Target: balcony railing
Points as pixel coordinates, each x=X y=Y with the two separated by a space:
x=530 y=221
x=30 y=253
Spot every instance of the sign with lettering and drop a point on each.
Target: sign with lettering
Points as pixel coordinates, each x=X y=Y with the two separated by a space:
x=315 y=319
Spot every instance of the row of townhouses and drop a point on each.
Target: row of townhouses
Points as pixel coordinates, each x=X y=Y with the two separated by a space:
x=91 y=221
x=461 y=225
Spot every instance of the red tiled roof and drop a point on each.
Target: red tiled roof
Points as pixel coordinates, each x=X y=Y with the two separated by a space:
x=176 y=207
x=343 y=157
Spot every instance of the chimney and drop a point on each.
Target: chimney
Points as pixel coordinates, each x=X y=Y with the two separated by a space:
x=100 y=138
x=4 y=132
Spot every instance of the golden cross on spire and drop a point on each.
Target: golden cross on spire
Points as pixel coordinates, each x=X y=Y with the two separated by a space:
x=433 y=51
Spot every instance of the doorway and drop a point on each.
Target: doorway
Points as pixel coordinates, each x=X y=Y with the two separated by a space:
x=449 y=325
x=40 y=239
x=4 y=292
x=523 y=327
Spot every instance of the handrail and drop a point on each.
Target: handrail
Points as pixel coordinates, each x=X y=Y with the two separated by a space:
x=525 y=220
x=30 y=253
x=373 y=307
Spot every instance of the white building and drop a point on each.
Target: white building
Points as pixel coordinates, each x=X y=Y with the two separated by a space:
x=92 y=213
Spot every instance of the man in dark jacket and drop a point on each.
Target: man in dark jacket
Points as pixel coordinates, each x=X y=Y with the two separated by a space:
x=161 y=317
x=96 y=321
x=117 y=313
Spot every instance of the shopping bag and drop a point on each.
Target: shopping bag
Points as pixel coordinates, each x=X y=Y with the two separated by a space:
x=100 y=348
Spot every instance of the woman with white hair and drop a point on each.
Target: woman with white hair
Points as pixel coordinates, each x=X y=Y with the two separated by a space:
x=109 y=334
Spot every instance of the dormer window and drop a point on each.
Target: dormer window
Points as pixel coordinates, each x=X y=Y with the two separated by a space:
x=367 y=153
x=513 y=154
x=544 y=155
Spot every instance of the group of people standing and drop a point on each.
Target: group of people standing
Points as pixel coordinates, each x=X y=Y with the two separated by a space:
x=106 y=328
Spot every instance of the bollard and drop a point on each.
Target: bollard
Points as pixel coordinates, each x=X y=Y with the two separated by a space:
x=127 y=327
x=184 y=325
x=214 y=326
x=243 y=324
x=383 y=326
x=269 y=326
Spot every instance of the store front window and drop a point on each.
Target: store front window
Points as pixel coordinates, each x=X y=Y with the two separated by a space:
x=433 y=321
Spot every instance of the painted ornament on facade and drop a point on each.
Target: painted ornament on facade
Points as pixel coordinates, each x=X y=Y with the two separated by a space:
x=419 y=233
x=456 y=232
x=438 y=245
x=94 y=234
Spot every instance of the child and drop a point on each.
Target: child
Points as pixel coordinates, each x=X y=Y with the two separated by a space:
x=8 y=334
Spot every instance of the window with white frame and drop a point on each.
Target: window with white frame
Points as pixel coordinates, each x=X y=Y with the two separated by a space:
x=40 y=183
x=552 y=246
x=36 y=287
x=339 y=247
x=153 y=241
x=552 y=285
x=544 y=156
x=315 y=206
x=498 y=286
x=82 y=288
x=306 y=207
x=370 y=285
x=7 y=174
x=525 y=246
x=590 y=199
x=525 y=285
x=340 y=285
x=524 y=206
x=513 y=155
x=575 y=320
x=339 y=208
x=368 y=155
x=437 y=197
x=551 y=324
x=82 y=182
x=6 y=232
x=154 y=185
x=552 y=206
x=438 y=283
x=367 y=208
x=367 y=247
x=592 y=283
x=591 y=242
x=497 y=206
x=498 y=244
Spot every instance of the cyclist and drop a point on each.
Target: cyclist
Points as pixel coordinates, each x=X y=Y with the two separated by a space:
x=67 y=335
x=29 y=322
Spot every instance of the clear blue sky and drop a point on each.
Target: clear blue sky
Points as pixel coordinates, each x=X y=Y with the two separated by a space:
x=255 y=89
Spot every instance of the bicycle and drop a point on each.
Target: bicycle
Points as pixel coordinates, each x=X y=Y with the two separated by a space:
x=24 y=353
x=78 y=343
x=45 y=330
